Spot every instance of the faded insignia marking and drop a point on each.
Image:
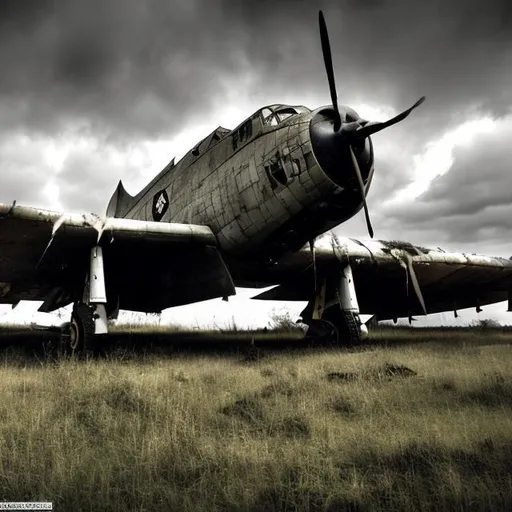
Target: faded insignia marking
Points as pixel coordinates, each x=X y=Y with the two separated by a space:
x=160 y=205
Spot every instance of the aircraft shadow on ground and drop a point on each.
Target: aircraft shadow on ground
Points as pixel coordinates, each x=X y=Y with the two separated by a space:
x=26 y=345
x=43 y=345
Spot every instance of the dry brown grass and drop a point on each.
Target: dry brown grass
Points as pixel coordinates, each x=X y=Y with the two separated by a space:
x=416 y=423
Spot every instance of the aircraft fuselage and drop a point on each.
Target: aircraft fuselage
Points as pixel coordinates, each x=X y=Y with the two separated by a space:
x=259 y=187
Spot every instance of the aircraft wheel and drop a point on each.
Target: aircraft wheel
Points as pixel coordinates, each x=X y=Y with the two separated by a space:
x=346 y=325
x=77 y=336
x=323 y=331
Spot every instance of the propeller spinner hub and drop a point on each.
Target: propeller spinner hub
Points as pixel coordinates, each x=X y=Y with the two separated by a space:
x=332 y=148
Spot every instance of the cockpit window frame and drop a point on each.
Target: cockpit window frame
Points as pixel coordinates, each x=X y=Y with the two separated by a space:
x=268 y=119
x=271 y=114
x=292 y=111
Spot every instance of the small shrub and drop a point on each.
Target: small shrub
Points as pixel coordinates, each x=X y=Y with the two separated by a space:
x=123 y=397
x=341 y=405
x=282 y=320
x=294 y=426
x=343 y=376
x=267 y=372
x=486 y=324
x=279 y=387
x=390 y=370
x=247 y=408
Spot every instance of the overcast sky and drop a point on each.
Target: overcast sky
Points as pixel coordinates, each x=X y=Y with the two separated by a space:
x=92 y=92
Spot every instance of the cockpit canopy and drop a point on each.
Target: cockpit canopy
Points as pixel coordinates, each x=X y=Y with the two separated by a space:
x=272 y=115
x=276 y=114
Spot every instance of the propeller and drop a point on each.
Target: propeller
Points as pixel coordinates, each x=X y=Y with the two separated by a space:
x=362 y=190
x=366 y=129
x=329 y=68
x=355 y=130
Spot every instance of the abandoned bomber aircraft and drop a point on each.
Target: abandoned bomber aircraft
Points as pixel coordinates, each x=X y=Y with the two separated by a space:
x=239 y=210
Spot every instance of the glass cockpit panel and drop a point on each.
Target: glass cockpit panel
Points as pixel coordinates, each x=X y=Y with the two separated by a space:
x=285 y=112
x=275 y=114
x=268 y=117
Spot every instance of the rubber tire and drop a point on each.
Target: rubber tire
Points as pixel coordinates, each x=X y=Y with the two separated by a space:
x=77 y=337
x=322 y=331
x=349 y=333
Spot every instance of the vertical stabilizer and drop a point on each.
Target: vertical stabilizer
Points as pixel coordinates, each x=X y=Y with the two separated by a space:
x=119 y=203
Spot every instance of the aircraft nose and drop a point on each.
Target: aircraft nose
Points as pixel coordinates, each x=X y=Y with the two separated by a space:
x=332 y=149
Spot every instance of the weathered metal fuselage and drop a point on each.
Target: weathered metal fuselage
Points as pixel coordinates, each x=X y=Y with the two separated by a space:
x=260 y=188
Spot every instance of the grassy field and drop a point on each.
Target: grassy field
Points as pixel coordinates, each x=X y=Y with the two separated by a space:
x=414 y=420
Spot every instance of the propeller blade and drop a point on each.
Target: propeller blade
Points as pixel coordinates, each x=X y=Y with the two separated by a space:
x=361 y=188
x=329 y=69
x=371 y=128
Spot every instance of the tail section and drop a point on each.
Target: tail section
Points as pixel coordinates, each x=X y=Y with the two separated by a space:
x=120 y=202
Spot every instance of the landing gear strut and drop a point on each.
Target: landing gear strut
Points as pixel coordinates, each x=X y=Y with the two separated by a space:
x=89 y=317
x=333 y=314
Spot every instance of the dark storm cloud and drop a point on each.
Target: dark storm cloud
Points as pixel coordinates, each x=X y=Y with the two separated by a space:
x=13 y=158
x=80 y=193
x=146 y=67
x=457 y=53
x=472 y=203
x=135 y=66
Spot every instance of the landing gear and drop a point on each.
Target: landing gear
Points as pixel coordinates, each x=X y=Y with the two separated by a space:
x=347 y=325
x=322 y=330
x=89 y=317
x=78 y=336
x=333 y=314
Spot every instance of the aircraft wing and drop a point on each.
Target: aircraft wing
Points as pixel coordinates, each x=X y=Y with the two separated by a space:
x=149 y=266
x=392 y=278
